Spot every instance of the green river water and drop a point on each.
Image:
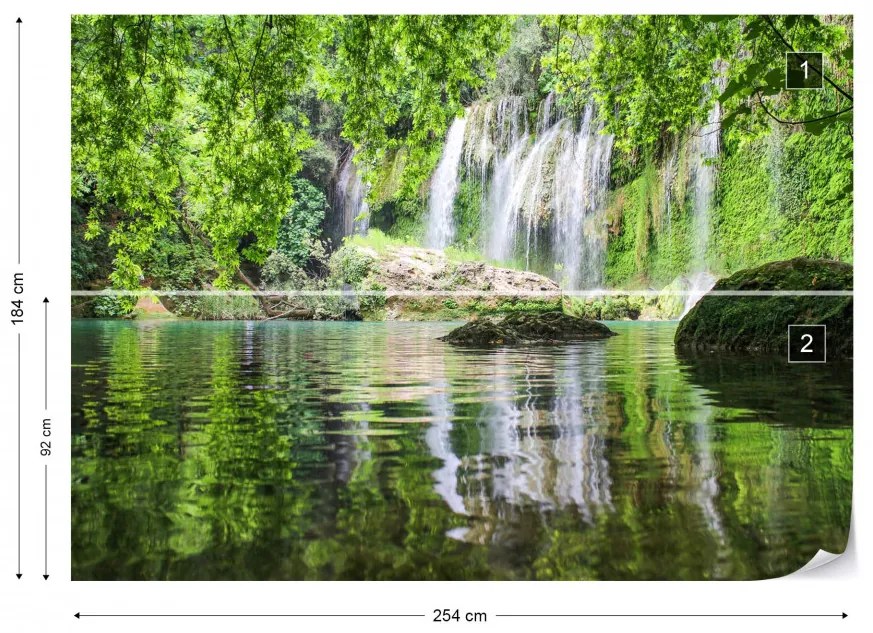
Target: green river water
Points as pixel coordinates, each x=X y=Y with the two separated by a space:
x=330 y=450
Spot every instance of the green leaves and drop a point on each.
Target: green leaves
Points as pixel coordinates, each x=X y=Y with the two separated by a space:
x=647 y=73
x=127 y=74
x=302 y=224
x=195 y=119
x=400 y=80
x=756 y=93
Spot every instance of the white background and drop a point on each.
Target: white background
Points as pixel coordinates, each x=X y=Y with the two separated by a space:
x=34 y=604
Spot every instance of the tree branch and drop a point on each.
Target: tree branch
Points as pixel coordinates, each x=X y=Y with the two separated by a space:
x=769 y=21
x=778 y=120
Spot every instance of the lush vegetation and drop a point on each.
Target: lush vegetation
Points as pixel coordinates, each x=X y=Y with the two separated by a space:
x=201 y=123
x=207 y=149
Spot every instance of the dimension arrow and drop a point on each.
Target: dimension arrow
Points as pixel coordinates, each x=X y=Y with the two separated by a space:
x=672 y=615
x=18 y=21
x=248 y=615
x=45 y=303
x=45 y=568
x=19 y=457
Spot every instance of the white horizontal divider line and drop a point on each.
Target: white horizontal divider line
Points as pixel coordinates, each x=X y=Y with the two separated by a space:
x=587 y=294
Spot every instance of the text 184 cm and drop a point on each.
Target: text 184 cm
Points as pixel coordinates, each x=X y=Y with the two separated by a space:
x=17 y=311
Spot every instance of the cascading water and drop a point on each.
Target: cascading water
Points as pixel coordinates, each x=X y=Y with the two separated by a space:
x=350 y=199
x=444 y=187
x=550 y=187
x=704 y=150
x=580 y=185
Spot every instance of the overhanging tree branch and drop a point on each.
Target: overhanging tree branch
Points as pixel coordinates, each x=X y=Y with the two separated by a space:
x=815 y=120
x=769 y=21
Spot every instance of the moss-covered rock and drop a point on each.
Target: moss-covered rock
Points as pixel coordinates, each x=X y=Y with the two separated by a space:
x=525 y=328
x=760 y=323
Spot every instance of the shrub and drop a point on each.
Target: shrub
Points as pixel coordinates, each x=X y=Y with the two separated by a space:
x=113 y=307
x=224 y=307
x=350 y=265
x=301 y=226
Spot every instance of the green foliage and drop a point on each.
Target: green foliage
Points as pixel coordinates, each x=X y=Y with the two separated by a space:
x=606 y=308
x=280 y=271
x=400 y=80
x=113 y=307
x=227 y=308
x=782 y=197
x=372 y=305
x=375 y=240
x=177 y=261
x=204 y=118
x=91 y=260
x=518 y=70
x=777 y=196
x=468 y=214
x=252 y=141
x=302 y=224
x=351 y=265
x=647 y=73
x=755 y=96
x=127 y=75
x=319 y=163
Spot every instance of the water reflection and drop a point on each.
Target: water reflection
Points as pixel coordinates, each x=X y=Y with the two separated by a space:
x=365 y=450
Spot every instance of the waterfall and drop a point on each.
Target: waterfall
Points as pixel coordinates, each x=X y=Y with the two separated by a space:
x=550 y=187
x=704 y=150
x=581 y=182
x=444 y=187
x=350 y=199
x=670 y=172
x=699 y=284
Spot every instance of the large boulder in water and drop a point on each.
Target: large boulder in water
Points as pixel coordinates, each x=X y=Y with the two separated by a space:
x=520 y=328
x=749 y=323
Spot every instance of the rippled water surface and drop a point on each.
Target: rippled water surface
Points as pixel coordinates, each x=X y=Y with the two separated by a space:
x=300 y=450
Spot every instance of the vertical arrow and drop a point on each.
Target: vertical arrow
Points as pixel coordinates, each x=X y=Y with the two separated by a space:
x=45 y=303
x=19 y=457
x=18 y=21
x=45 y=569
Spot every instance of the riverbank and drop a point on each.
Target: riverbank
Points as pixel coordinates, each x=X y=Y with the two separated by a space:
x=377 y=278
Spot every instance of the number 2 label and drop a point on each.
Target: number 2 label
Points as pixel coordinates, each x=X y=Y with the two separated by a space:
x=806 y=348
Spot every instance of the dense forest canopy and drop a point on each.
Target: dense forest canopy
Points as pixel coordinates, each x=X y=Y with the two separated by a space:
x=202 y=144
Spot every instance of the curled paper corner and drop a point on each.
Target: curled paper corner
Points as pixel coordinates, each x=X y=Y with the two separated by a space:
x=821 y=558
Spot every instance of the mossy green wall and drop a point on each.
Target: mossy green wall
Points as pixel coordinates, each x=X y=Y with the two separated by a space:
x=779 y=196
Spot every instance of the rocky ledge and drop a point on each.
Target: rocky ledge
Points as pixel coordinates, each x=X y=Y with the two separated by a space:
x=525 y=329
x=760 y=323
x=425 y=284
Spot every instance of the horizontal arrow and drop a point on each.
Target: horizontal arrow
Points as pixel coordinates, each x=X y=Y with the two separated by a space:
x=672 y=615
x=248 y=615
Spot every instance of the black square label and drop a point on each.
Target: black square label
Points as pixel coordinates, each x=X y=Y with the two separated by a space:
x=807 y=343
x=803 y=71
